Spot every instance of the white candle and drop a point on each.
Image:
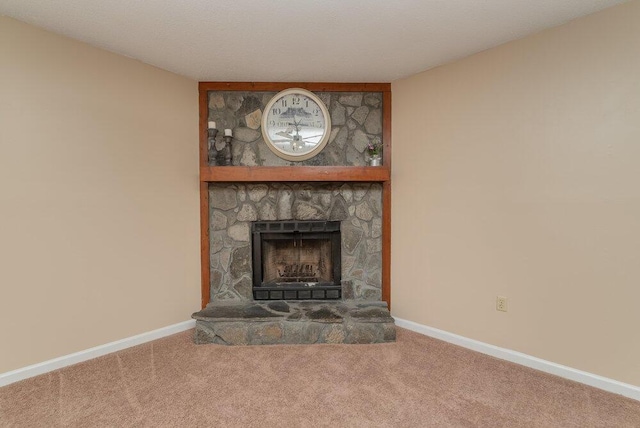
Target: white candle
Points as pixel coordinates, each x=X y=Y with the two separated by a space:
x=212 y=125
x=228 y=133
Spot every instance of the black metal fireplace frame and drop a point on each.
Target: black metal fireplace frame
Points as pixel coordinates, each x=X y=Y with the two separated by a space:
x=303 y=230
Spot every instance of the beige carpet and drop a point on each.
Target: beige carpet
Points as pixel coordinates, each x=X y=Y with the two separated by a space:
x=416 y=382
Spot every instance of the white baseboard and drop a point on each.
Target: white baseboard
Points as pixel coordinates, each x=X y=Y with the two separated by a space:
x=587 y=378
x=590 y=379
x=87 y=354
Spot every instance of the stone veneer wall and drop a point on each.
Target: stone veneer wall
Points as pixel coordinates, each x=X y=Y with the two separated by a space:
x=356 y=120
x=234 y=206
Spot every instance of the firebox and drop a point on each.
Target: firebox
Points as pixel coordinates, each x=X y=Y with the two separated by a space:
x=296 y=260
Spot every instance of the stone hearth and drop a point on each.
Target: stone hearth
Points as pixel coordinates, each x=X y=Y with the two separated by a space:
x=294 y=322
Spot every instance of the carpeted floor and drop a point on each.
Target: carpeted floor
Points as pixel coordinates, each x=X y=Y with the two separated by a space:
x=416 y=382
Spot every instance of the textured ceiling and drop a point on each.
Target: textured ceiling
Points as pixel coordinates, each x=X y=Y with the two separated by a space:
x=303 y=40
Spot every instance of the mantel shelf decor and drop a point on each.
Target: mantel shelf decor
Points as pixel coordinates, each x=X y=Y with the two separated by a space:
x=219 y=156
x=296 y=124
x=374 y=150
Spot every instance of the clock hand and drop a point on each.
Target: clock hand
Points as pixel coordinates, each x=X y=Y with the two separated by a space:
x=285 y=135
x=296 y=124
x=312 y=136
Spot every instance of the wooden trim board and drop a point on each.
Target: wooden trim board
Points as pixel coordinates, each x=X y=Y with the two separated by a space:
x=293 y=173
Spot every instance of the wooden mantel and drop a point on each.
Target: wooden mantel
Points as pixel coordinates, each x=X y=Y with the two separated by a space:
x=265 y=174
x=293 y=173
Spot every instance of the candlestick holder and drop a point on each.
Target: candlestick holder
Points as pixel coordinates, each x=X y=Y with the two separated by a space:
x=228 y=150
x=224 y=156
x=211 y=145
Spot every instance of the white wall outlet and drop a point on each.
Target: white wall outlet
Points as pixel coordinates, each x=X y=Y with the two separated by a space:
x=501 y=303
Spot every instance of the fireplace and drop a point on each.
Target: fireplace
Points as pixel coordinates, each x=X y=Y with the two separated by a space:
x=281 y=239
x=296 y=260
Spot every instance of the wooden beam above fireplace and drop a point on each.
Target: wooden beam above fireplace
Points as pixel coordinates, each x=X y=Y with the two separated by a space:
x=294 y=173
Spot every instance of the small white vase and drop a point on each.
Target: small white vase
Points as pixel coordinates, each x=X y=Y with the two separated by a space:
x=375 y=161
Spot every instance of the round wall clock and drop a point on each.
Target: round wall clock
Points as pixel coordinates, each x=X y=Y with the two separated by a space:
x=296 y=124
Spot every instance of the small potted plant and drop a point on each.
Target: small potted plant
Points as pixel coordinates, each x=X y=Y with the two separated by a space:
x=374 y=150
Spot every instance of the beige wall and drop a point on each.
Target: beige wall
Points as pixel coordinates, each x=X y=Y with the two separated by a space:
x=99 y=232
x=517 y=173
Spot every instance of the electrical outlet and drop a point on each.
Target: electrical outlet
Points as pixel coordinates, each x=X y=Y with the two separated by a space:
x=501 y=303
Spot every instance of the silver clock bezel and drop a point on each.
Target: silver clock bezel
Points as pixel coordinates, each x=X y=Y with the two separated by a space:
x=296 y=157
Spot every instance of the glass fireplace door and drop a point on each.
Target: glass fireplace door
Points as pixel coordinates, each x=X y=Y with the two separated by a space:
x=296 y=260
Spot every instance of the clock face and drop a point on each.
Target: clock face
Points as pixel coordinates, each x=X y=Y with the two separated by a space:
x=296 y=124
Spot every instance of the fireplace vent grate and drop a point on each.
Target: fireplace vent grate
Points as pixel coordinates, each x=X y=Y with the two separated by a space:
x=295 y=226
x=297 y=293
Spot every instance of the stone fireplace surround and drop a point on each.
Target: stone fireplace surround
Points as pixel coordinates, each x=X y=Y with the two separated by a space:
x=358 y=206
x=260 y=187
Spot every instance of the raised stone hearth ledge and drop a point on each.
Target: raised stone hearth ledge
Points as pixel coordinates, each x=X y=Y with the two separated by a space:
x=294 y=322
